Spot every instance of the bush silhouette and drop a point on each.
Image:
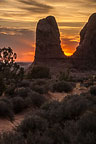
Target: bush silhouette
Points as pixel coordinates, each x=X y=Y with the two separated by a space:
x=9 y=92
x=9 y=69
x=11 y=138
x=6 y=109
x=62 y=86
x=32 y=124
x=22 y=92
x=36 y=99
x=2 y=85
x=18 y=104
x=93 y=90
x=70 y=121
x=40 y=86
x=39 y=72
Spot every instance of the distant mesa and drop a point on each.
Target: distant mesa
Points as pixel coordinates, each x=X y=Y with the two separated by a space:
x=48 y=44
x=87 y=47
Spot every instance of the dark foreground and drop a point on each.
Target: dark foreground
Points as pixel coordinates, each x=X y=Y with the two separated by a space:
x=50 y=120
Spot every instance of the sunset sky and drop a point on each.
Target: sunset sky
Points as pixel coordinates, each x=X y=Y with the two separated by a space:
x=18 y=19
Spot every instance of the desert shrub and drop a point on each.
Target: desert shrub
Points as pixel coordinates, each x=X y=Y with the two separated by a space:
x=88 y=138
x=52 y=112
x=77 y=79
x=39 y=72
x=22 y=92
x=33 y=124
x=87 y=123
x=39 y=139
x=80 y=131
x=93 y=90
x=56 y=133
x=62 y=86
x=88 y=84
x=18 y=104
x=24 y=83
x=40 y=86
x=11 y=138
x=74 y=106
x=10 y=90
x=28 y=102
x=71 y=121
x=40 y=89
x=71 y=108
x=86 y=129
x=65 y=76
x=36 y=99
x=50 y=105
x=6 y=109
x=89 y=97
x=40 y=82
x=2 y=85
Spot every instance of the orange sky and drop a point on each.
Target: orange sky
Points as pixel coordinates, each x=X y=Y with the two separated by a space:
x=18 y=20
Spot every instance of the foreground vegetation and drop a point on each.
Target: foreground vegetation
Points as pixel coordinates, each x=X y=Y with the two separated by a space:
x=70 y=121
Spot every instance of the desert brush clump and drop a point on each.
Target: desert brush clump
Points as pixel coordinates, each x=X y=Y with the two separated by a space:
x=10 y=90
x=6 y=109
x=62 y=86
x=2 y=85
x=11 y=138
x=24 y=83
x=74 y=106
x=65 y=76
x=33 y=124
x=40 y=86
x=22 y=91
x=93 y=90
x=70 y=121
x=36 y=99
x=39 y=72
x=18 y=104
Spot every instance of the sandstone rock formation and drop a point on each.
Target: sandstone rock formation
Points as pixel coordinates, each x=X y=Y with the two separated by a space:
x=86 y=51
x=48 y=40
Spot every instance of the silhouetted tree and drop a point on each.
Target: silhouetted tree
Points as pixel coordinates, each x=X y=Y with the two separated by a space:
x=9 y=69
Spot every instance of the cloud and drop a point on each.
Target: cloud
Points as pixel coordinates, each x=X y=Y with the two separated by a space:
x=35 y=7
x=66 y=1
x=2 y=1
x=71 y=24
x=72 y=1
x=93 y=1
x=70 y=31
x=36 y=10
x=20 y=40
x=35 y=3
x=17 y=32
x=88 y=4
x=18 y=24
